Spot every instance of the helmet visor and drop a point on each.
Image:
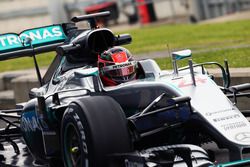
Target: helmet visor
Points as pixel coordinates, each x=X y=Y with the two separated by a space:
x=118 y=70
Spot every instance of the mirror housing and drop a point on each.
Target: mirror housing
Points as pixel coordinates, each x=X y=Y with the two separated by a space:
x=123 y=39
x=179 y=55
x=67 y=48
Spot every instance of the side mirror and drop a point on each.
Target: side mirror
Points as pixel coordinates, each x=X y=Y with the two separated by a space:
x=179 y=100
x=123 y=39
x=67 y=48
x=34 y=92
x=179 y=55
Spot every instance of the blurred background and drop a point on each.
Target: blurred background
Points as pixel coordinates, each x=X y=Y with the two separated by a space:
x=17 y=15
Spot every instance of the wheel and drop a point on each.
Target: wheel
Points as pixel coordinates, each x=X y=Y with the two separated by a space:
x=93 y=127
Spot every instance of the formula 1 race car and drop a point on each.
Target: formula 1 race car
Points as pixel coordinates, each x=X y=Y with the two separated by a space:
x=161 y=119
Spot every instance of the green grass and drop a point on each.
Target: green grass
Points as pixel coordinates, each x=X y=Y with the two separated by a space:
x=193 y=36
x=236 y=58
x=26 y=62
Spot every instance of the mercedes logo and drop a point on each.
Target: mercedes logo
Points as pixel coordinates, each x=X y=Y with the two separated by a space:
x=243 y=137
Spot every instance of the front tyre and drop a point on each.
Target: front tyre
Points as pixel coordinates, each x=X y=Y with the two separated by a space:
x=93 y=127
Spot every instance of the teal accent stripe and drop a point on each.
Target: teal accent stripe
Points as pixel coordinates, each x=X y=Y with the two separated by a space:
x=173 y=86
x=245 y=162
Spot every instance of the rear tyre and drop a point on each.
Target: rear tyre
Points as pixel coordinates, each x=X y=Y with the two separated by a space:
x=92 y=128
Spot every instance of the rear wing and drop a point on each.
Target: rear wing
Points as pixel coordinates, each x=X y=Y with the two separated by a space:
x=42 y=39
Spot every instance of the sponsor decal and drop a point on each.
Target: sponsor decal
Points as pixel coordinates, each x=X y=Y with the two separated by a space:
x=119 y=57
x=133 y=164
x=48 y=33
x=121 y=65
x=81 y=129
x=39 y=36
x=31 y=124
x=218 y=112
x=226 y=118
x=234 y=125
x=82 y=134
x=188 y=82
x=243 y=137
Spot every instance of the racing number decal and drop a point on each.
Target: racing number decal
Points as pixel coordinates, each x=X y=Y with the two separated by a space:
x=188 y=82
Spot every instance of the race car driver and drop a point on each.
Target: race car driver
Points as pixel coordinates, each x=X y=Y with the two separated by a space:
x=116 y=65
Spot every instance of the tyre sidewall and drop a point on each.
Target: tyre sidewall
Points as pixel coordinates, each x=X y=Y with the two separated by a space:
x=101 y=126
x=73 y=116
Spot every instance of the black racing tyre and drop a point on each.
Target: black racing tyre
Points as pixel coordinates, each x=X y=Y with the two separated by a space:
x=93 y=127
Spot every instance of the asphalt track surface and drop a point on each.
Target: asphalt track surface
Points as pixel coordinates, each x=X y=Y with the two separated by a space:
x=24 y=159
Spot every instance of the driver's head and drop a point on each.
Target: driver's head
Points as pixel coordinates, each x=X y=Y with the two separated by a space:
x=116 y=66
